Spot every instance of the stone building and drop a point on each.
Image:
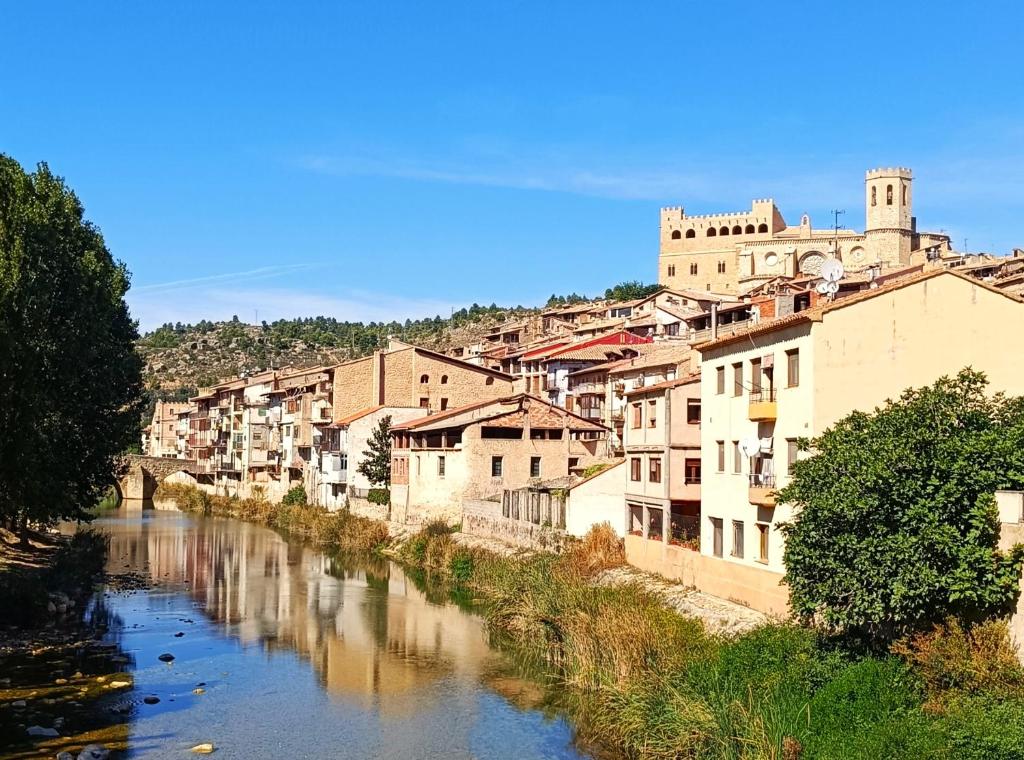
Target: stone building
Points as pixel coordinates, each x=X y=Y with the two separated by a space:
x=735 y=251
x=478 y=451
x=166 y=437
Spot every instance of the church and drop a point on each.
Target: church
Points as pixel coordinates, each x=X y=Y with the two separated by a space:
x=732 y=253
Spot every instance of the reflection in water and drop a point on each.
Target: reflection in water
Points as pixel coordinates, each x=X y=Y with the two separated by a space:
x=403 y=675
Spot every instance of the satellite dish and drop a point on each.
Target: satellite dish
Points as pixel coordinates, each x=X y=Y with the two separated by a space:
x=832 y=270
x=831 y=288
x=822 y=287
x=755 y=314
x=750 y=446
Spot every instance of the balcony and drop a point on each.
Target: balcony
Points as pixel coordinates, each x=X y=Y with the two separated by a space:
x=762 y=406
x=762 y=490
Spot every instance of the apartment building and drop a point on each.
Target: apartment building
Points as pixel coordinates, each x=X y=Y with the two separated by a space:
x=477 y=451
x=663 y=462
x=403 y=375
x=765 y=387
x=165 y=436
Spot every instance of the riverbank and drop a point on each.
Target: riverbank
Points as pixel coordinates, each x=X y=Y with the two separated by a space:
x=653 y=683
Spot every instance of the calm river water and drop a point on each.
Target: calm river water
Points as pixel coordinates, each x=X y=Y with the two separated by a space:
x=305 y=655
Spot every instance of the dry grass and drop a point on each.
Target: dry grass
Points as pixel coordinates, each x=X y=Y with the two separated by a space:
x=601 y=549
x=340 y=530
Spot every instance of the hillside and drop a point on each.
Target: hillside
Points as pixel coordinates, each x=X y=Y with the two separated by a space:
x=180 y=358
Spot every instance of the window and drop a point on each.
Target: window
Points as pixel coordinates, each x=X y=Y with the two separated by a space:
x=424 y=403
x=888 y=195
x=444 y=404
x=762 y=228
x=637 y=416
x=424 y=379
x=691 y=234
x=762 y=542
x=671 y=270
x=720 y=380
x=440 y=467
x=444 y=379
x=737 y=538
x=716 y=531
x=749 y=229
x=723 y=231
x=692 y=471
x=793 y=368
x=791 y=454
x=489 y=381
x=534 y=467
x=495 y=467
x=655 y=470
x=652 y=409
x=693 y=411
x=634 y=469
x=904 y=195
x=737 y=458
x=693 y=269
x=737 y=230
x=573 y=462
x=712 y=232
x=737 y=379
x=755 y=375
x=672 y=329
x=874 y=196
x=676 y=234
x=721 y=455
x=721 y=267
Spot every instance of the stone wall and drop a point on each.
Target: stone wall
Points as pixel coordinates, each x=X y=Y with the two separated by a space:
x=485 y=519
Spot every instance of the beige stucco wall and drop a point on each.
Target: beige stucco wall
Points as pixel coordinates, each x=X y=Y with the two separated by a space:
x=353 y=387
x=872 y=351
x=754 y=587
x=597 y=500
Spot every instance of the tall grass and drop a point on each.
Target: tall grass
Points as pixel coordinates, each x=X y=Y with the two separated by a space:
x=341 y=530
x=652 y=684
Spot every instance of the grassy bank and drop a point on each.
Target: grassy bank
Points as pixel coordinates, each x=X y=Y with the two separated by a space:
x=340 y=530
x=653 y=684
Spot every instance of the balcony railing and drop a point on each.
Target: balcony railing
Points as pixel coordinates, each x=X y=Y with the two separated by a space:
x=762 y=489
x=762 y=407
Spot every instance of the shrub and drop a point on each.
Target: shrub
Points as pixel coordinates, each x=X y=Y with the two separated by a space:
x=460 y=566
x=984 y=728
x=599 y=550
x=952 y=659
x=380 y=496
x=296 y=497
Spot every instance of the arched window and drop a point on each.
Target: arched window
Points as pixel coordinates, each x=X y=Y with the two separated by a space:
x=888 y=195
x=424 y=378
x=444 y=379
x=676 y=235
x=737 y=230
x=712 y=232
x=904 y=195
x=691 y=233
x=762 y=228
x=723 y=231
x=749 y=230
x=874 y=195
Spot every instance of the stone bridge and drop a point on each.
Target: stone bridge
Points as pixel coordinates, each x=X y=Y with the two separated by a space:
x=144 y=474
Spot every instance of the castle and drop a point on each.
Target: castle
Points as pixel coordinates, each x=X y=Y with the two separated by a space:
x=735 y=252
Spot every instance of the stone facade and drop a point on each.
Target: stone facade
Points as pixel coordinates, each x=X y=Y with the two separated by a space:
x=736 y=251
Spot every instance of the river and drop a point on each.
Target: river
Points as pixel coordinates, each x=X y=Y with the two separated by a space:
x=300 y=654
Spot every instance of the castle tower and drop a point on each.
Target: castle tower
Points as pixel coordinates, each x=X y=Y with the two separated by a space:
x=889 y=224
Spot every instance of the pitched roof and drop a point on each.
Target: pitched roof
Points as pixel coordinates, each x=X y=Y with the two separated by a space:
x=345 y=421
x=666 y=385
x=403 y=346
x=815 y=313
x=523 y=400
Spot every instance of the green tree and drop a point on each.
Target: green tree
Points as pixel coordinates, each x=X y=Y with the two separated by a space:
x=376 y=464
x=70 y=380
x=896 y=525
x=631 y=290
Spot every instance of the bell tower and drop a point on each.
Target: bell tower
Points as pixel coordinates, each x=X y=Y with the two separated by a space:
x=889 y=223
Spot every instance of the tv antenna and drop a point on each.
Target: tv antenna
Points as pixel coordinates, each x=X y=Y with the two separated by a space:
x=836 y=213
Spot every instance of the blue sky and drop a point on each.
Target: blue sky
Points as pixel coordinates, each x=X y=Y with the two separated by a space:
x=376 y=160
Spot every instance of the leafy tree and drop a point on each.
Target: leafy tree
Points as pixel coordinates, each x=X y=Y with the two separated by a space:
x=296 y=497
x=631 y=290
x=896 y=525
x=70 y=380
x=376 y=464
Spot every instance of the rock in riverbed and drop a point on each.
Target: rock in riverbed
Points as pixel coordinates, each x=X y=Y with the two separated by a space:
x=94 y=752
x=166 y=657
x=41 y=731
x=203 y=749
x=151 y=699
